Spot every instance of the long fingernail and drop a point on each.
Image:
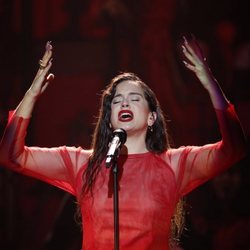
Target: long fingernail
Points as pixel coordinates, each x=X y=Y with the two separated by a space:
x=184 y=62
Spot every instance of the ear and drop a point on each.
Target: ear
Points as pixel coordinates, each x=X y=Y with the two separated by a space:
x=152 y=118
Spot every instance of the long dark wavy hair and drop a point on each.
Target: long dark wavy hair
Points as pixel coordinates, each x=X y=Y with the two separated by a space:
x=157 y=140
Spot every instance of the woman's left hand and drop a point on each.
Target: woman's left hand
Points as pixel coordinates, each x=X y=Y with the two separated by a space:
x=196 y=62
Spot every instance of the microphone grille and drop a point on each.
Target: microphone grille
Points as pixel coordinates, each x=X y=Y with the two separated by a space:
x=121 y=133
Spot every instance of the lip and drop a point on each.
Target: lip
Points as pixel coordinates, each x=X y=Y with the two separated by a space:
x=127 y=119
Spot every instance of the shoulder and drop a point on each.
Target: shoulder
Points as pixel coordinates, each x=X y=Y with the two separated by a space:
x=173 y=156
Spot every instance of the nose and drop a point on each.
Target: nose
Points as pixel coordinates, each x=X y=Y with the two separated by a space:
x=125 y=103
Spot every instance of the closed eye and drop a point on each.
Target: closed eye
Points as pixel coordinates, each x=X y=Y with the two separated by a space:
x=117 y=100
x=134 y=97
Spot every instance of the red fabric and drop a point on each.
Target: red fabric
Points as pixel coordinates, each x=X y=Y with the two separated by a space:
x=149 y=186
x=147 y=194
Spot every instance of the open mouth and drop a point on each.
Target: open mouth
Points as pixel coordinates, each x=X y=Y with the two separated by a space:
x=125 y=116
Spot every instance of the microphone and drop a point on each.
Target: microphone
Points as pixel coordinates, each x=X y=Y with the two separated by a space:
x=118 y=139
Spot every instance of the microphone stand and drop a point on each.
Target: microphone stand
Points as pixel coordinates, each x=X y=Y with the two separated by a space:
x=116 y=204
x=114 y=167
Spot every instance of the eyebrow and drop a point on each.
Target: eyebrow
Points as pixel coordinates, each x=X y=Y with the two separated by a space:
x=130 y=93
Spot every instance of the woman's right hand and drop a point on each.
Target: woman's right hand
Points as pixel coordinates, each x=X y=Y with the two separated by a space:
x=42 y=78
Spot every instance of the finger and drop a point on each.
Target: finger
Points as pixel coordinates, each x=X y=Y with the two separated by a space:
x=48 y=50
x=188 y=55
x=47 y=68
x=193 y=47
x=189 y=66
x=195 y=57
x=43 y=72
x=44 y=86
x=49 y=79
x=47 y=56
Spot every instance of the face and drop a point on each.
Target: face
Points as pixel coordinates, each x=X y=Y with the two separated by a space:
x=129 y=108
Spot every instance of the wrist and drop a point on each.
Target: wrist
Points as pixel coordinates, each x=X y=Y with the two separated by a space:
x=218 y=98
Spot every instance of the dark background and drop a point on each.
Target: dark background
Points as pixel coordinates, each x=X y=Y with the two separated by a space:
x=93 y=41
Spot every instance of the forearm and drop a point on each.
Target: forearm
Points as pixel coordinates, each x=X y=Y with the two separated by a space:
x=209 y=160
x=216 y=94
x=26 y=106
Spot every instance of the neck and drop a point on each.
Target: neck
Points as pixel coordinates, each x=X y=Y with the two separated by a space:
x=135 y=144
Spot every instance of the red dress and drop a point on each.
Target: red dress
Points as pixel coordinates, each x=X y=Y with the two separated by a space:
x=149 y=184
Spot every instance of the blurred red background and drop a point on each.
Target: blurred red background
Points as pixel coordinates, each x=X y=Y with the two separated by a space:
x=93 y=41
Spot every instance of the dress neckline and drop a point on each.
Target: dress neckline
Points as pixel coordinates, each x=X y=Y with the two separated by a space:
x=137 y=155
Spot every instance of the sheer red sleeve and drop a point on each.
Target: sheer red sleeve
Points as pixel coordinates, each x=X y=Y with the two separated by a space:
x=58 y=166
x=193 y=165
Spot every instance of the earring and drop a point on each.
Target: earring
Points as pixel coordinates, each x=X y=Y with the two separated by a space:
x=150 y=128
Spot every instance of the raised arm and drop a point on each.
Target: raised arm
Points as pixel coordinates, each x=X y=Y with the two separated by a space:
x=13 y=152
x=48 y=164
x=198 y=164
